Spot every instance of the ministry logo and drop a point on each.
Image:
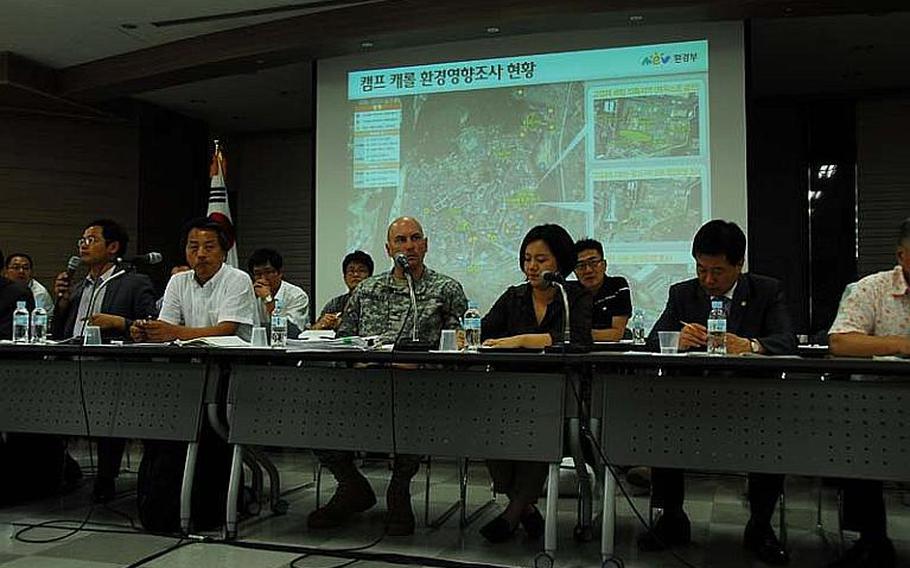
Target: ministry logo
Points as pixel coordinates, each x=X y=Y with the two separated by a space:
x=658 y=59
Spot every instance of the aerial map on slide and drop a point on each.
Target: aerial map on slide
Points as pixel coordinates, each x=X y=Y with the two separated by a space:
x=620 y=161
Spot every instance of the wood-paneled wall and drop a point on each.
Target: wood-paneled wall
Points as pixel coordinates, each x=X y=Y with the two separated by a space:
x=57 y=174
x=272 y=175
x=883 y=179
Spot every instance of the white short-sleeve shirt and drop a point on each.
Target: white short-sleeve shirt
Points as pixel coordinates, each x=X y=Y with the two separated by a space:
x=295 y=305
x=226 y=297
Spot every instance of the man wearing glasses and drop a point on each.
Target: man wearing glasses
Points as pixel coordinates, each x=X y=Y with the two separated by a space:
x=356 y=267
x=612 y=298
x=19 y=268
x=266 y=268
x=112 y=299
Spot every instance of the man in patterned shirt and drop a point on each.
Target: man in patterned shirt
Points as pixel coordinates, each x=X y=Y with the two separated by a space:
x=355 y=268
x=381 y=306
x=873 y=319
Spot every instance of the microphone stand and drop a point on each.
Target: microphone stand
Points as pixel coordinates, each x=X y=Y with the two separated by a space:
x=566 y=346
x=94 y=297
x=414 y=343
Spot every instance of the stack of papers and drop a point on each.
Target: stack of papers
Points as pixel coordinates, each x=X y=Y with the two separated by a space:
x=215 y=341
x=325 y=342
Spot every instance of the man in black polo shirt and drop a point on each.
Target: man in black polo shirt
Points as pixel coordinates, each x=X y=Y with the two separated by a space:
x=612 y=299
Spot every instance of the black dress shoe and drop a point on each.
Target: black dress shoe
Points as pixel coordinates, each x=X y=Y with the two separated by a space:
x=868 y=553
x=498 y=530
x=671 y=529
x=763 y=543
x=533 y=524
x=104 y=490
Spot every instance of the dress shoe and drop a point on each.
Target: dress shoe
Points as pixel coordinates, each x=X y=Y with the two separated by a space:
x=763 y=543
x=352 y=496
x=671 y=529
x=104 y=490
x=498 y=530
x=639 y=476
x=533 y=523
x=868 y=553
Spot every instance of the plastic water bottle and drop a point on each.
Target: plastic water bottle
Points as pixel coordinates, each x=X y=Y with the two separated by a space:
x=20 y=323
x=39 y=325
x=471 y=324
x=638 y=328
x=717 y=329
x=279 y=327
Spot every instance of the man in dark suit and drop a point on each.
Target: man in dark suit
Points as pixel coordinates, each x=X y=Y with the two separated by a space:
x=757 y=322
x=109 y=297
x=12 y=292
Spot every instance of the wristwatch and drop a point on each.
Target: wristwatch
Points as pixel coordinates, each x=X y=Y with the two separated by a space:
x=268 y=299
x=756 y=346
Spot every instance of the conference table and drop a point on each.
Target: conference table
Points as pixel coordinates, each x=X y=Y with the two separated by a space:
x=816 y=416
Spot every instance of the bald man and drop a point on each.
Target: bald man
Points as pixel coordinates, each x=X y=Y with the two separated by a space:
x=381 y=306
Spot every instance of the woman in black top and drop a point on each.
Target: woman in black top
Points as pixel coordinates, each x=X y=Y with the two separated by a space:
x=530 y=316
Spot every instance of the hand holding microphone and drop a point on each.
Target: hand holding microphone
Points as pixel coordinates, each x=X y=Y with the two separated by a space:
x=62 y=282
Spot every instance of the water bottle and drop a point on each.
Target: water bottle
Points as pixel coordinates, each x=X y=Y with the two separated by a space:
x=279 y=327
x=471 y=324
x=717 y=329
x=638 y=328
x=20 y=323
x=39 y=325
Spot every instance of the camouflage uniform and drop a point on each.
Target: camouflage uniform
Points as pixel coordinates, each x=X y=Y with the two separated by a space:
x=381 y=305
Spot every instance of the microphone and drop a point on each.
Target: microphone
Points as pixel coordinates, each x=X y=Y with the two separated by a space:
x=149 y=258
x=402 y=262
x=552 y=277
x=72 y=265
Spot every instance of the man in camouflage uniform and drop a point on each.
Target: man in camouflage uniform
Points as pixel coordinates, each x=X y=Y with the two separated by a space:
x=381 y=305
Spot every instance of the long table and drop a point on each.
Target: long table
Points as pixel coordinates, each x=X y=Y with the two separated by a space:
x=809 y=416
x=109 y=391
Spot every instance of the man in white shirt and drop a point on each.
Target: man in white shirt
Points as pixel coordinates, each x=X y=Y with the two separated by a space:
x=266 y=267
x=210 y=300
x=19 y=267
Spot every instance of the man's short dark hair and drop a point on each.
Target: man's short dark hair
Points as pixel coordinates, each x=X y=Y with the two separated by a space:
x=359 y=257
x=112 y=232
x=903 y=232
x=31 y=264
x=206 y=224
x=263 y=256
x=719 y=237
x=558 y=241
x=589 y=244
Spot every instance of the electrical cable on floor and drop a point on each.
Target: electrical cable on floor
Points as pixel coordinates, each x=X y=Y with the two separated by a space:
x=88 y=515
x=179 y=544
x=586 y=433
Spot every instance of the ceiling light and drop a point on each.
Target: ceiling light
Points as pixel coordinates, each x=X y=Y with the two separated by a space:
x=636 y=19
x=493 y=30
x=366 y=44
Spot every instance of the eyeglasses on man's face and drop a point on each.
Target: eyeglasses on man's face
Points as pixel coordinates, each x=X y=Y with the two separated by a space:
x=583 y=265
x=89 y=240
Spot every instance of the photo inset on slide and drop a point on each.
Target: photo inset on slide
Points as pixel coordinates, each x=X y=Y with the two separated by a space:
x=648 y=204
x=650 y=120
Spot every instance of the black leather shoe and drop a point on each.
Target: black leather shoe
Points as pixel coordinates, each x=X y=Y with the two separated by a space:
x=533 y=524
x=671 y=529
x=763 y=543
x=868 y=553
x=498 y=530
x=104 y=490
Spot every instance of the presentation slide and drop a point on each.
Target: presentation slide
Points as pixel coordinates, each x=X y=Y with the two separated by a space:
x=610 y=143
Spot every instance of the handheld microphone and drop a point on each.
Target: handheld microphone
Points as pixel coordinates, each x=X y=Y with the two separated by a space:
x=402 y=262
x=149 y=258
x=72 y=265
